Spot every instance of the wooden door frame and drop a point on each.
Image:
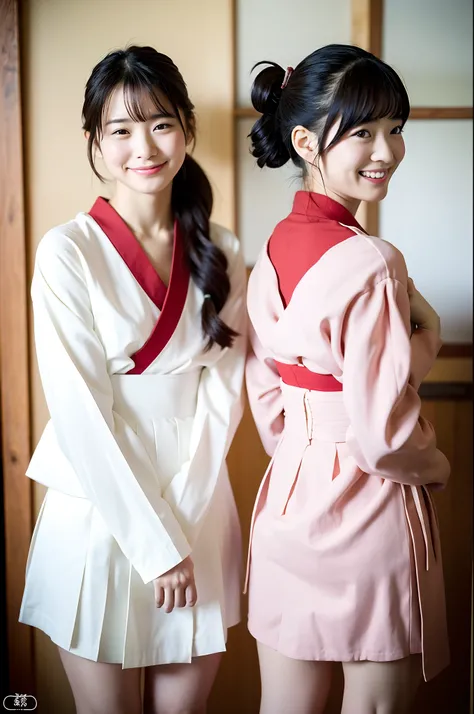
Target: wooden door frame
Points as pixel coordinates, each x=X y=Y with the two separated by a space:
x=14 y=357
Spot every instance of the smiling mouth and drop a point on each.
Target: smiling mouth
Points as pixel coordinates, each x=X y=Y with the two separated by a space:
x=377 y=176
x=147 y=169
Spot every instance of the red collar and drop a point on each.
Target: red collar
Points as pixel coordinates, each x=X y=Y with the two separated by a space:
x=132 y=252
x=316 y=206
x=169 y=300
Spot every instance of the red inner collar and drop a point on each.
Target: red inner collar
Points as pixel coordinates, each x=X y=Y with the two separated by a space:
x=317 y=206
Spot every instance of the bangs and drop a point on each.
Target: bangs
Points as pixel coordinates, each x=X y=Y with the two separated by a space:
x=368 y=91
x=137 y=95
x=138 y=92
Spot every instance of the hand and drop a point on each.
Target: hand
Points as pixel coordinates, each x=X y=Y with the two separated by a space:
x=176 y=588
x=421 y=312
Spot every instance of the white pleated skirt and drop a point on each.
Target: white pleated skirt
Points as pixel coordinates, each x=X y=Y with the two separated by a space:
x=84 y=593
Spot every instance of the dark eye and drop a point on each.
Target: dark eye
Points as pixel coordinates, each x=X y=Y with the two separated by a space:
x=120 y=132
x=160 y=127
x=398 y=130
x=362 y=134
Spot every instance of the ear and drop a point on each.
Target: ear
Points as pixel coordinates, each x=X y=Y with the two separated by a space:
x=96 y=146
x=305 y=143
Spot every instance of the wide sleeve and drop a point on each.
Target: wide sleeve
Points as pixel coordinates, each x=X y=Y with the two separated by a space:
x=388 y=436
x=107 y=456
x=264 y=393
x=219 y=410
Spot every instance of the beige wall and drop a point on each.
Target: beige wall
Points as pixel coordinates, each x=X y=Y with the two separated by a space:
x=61 y=42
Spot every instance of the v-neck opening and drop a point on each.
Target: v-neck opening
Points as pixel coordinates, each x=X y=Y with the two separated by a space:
x=169 y=300
x=132 y=252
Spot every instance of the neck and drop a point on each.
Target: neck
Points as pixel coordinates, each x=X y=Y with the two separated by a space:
x=315 y=186
x=148 y=215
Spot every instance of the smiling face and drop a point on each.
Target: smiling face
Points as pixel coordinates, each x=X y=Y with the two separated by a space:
x=360 y=166
x=143 y=156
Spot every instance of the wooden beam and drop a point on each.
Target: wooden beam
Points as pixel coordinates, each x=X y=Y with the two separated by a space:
x=367 y=18
x=441 y=113
x=456 y=350
x=14 y=365
x=367 y=22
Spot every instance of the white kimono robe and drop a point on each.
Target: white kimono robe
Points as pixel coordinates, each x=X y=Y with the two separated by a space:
x=134 y=454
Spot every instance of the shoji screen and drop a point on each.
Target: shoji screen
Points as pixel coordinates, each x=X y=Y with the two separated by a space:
x=428 y=212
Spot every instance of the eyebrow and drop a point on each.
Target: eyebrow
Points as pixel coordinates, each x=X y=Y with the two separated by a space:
x=150 y=118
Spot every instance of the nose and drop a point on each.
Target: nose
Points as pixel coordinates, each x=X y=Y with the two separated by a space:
x=382 y=151
x=145 y=147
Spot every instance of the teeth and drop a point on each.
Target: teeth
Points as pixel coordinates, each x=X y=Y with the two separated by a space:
x=374 y=174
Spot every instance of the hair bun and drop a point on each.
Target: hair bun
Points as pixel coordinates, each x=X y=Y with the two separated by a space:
x=267 y=144
x=266 y=88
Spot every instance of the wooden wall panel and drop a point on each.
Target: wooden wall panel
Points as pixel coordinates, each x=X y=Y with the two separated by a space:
x=14 y=382
x=449 y=692
x=237 y=688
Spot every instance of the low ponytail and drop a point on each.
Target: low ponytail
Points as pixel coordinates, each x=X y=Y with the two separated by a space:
x=191 y=203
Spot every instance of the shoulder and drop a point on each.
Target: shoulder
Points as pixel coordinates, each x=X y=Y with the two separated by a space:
x=365 y=261
x=224 y=239
x=389 y=258
x=58 y=243
x=228 y=242
x=72 y=241
x=63 y=250
x=350 y=269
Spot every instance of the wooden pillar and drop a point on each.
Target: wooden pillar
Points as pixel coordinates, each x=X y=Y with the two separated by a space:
x=367 y=19
x=14 y=368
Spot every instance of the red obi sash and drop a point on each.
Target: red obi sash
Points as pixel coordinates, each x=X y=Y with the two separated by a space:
x=298 y=376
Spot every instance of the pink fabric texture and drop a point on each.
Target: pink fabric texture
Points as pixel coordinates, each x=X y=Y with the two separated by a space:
x=345 y=559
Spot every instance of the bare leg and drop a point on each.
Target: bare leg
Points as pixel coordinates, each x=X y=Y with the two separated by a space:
x=180 y=688
x=292 y=685
x=101 y=688
x=381 y=687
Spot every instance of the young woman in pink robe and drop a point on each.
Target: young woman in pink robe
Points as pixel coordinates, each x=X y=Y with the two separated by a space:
x=345 y=559
x=140 y=325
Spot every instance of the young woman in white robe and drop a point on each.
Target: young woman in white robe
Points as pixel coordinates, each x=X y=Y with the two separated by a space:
x=140 y=329
x=345 y=555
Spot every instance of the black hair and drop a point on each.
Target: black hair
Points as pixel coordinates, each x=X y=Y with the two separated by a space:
x=144 y=71
x=336 y=81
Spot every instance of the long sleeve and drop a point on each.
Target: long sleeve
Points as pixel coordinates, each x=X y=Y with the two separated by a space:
x=382 y=371
x=108 y=458
x=218 y=413
x=264 y=392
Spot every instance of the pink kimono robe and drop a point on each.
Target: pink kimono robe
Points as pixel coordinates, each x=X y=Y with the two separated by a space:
x=345 y=558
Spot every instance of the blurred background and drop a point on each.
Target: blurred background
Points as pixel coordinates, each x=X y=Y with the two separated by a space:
x=48 y=49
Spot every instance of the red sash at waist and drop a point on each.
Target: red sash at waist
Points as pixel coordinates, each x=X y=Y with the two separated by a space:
x=299 y=376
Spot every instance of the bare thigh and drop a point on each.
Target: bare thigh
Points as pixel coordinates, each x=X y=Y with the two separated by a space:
x=180 y=688
x=381 y=687
x=101 y=688
x=292 y=685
